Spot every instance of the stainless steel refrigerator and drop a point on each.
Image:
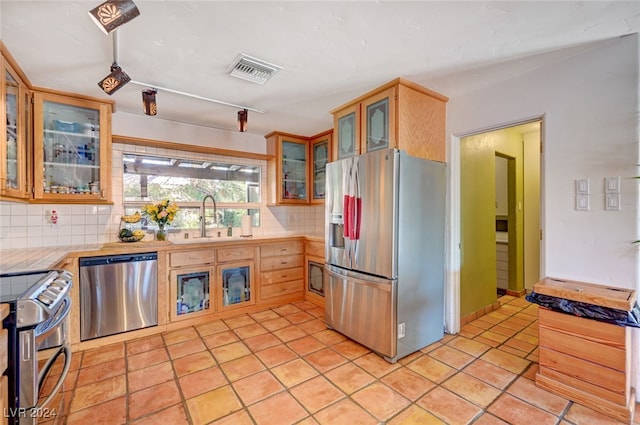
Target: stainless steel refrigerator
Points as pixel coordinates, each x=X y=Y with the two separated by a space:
x=385 y=256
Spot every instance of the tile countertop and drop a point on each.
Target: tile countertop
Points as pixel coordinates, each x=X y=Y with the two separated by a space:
x=31 y=259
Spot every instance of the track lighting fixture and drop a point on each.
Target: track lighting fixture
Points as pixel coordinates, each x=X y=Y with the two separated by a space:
x=149 y=101
x=113 y=13
x=242 y=120
x=116 y=79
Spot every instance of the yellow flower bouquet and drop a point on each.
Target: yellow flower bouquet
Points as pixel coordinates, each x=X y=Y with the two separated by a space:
x=162 y=214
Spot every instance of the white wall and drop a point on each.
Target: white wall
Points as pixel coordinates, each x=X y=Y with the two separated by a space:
x=28 y=226
x=590 y=107
x=588 y=97
x=153 y=128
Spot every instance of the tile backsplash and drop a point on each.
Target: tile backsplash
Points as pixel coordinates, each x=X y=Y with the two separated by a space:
x=29 y=225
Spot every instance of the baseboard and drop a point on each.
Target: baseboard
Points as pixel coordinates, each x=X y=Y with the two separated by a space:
x=517 y=294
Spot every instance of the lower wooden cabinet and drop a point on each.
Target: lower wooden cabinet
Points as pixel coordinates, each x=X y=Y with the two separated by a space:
x=190 y=292
x=314 y=278
x=200 y=285
x=314 y=272
x=582 y=359
x=586 y=361
x=234 y=285
x=281 y=270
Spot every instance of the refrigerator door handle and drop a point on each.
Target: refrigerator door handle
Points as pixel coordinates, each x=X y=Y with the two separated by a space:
x=360 y=278
x=354 y=197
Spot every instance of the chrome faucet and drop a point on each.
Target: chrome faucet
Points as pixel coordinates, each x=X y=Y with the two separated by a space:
x=203 y=217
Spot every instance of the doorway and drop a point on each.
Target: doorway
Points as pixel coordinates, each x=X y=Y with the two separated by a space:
x=499 y=197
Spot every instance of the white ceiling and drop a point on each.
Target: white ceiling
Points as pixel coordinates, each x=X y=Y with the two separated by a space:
x=330 y=51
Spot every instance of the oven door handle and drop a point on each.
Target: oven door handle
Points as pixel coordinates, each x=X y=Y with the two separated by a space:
x=58 y=318
x=66 y=350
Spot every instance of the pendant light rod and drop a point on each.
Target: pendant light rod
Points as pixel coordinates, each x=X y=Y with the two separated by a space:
x=116 y=55
x=115 y=39
x=195 y=96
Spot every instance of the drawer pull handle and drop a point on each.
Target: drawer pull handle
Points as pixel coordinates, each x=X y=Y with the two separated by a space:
x=284 y=262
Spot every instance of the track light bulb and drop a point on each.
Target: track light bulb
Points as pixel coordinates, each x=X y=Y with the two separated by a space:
x=242 y=120
x=149 y=104
x=113 y=13
x=116 y=79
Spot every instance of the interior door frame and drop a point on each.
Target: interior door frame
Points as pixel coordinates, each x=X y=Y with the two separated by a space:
x=453 y=229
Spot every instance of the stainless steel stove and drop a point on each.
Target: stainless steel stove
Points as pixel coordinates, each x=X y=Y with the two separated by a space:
x=40 y=303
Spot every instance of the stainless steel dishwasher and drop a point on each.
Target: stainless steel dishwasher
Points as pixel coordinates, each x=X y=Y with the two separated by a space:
x=118 y=293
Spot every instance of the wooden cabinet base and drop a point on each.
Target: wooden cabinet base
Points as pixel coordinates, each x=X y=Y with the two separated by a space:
x=621 y=412
x=586 y=361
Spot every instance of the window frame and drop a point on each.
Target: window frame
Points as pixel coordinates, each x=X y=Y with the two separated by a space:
x=197 y=205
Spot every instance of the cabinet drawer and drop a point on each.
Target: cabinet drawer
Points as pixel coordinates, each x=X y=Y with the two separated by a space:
x=268 y=291
x=502 y=247
x=315 y=249
x=285 y=275
x=502 y=255
x=588 y=329
x=284 y=262
x=583 y=370
x=581 y=348
x=190 y=258
x=286 y=248
x=233 y=254
x=548 y=377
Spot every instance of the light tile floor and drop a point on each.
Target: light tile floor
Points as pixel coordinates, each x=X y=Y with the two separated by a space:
x=283 y=366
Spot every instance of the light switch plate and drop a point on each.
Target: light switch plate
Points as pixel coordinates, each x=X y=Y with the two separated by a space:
x=612 y=202
x=582 y=186
x=612 y=184
x=582 y=202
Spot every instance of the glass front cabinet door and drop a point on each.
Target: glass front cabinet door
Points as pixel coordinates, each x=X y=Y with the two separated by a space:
x=347 y=132
x=315 y=277
x=378 y=121
x=72 y=149
x=190 y=292
x=287 y=170
x=294 y=171
x=320 y=155
x=235 y=285
x=16 y=122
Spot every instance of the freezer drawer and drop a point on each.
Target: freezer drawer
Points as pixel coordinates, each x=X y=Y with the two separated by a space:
x=362 y=308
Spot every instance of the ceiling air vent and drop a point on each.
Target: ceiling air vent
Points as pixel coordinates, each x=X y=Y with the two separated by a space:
x=253 y=69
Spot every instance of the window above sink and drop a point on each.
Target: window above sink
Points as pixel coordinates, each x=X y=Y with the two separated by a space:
x=186 y=181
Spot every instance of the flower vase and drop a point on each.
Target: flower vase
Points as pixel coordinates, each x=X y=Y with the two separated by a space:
x=161 y=234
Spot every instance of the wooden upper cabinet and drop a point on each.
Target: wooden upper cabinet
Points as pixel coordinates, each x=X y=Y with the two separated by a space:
x=57 y=145
x=287 y=169
x=399 y=114
x=15 y=123
x=296 y=168
x=72 y=149
x=320 y=151
x=346 y=123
